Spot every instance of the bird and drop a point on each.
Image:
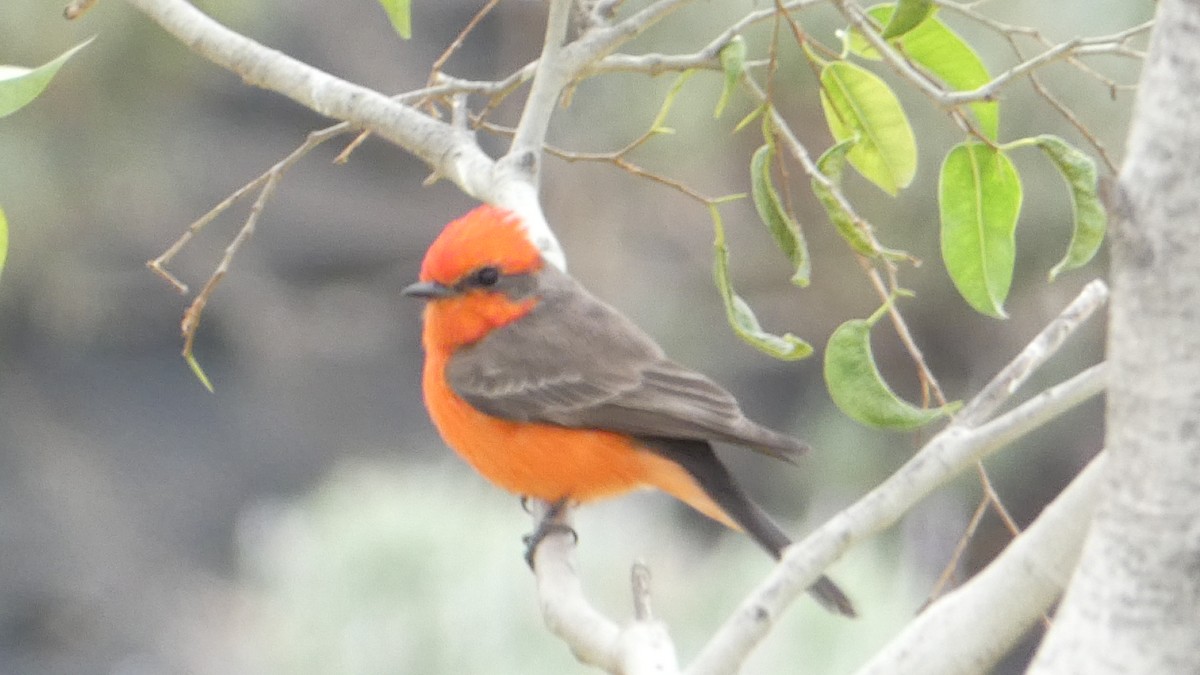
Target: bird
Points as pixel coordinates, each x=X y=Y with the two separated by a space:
x=550 y=393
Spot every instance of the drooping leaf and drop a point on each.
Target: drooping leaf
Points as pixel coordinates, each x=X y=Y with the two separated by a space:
x=979 y=194
x=733 y=59
x=751 y=116
x=198 y=371
x=908 y=15
x=831 y=164
x=668 y=101
x=1091 y=220
x=782 y=225
x=3 y=239
x=19 y=86
x=856 y=102
x=400 y=14
x=858 y=388
x=941 y=52
x=741 y=318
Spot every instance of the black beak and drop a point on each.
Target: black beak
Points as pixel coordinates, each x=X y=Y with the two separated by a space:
x=428 y=290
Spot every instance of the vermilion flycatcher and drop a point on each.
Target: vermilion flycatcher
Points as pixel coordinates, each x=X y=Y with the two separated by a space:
x=552 y=394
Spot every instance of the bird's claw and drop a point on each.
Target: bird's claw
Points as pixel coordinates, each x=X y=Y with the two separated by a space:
x=546 y=526
x=534 y=539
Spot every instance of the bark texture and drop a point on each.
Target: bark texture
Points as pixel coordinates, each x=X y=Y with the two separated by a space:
x=1133 y=605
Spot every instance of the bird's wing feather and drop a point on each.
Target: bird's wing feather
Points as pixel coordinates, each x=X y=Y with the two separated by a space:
x=576 y=362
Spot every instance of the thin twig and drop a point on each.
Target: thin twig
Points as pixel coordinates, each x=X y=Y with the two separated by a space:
x=440 y=62
x=315 y=138
x=191 y=316
x=989 y=492
x=1106 y=44
x=949 y=452
x=434 y=73
x=972 y=628
x=1038 y=351
x=961 y=444
x=951 y=568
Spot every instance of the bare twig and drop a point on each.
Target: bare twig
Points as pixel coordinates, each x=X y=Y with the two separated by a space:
x=948 y=572
x=449 y=152
x=640 y=580
x=964 y=442
x=315 y=138
x=1038 y=351
x=972 y=628
x=954 y=449
x=439 y=63
x=706 y=58
x=434 y=74
x=191 y=316
x=1113 y=44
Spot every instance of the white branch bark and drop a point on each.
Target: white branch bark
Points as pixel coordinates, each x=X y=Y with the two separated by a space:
x=453 y=153
x=1134 y=603
x=642 y=647
x=972 y=628
x=954 y=449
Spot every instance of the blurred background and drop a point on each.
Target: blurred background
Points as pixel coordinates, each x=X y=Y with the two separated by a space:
x=305 y=518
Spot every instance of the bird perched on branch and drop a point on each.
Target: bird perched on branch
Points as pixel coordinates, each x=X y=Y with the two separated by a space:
x=552 y=394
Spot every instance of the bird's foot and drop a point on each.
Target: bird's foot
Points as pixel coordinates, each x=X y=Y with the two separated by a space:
x=546 y=526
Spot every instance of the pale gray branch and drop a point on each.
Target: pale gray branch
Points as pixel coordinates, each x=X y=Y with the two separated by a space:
x=954 y=449
x=972 y=628
x=708 y=57
x=1107 y=44
x=549 y=80
x=1133 y=604
x=642 y=647
x=450 y=152
x=1037 y=352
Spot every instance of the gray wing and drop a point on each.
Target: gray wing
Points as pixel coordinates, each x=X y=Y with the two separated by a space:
x=597 y=370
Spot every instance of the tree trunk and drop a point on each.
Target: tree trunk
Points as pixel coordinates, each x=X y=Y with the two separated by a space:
x=1133 y=605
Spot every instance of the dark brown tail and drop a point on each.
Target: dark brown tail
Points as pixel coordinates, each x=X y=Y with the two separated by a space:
x=698 y=458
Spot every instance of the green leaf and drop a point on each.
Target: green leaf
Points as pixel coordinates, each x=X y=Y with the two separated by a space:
x=400 y=14
x=733 y=59
x=19 y=86
x=859 y=390
x=3 y=240
x=751 y=116
x=770 y=209
x=938 y=50
x=908 y=15
x=668 y=101
x=979 y=193
x=1090 y=218
x=831 y=163
x=198 y=371
x=857 y=102
x=787 y=347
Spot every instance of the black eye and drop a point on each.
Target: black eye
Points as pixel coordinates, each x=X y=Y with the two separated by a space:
x=486 y=276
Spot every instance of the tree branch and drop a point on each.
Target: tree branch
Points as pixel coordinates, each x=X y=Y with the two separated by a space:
x=449 y=151
x=641 y=647
x=955 y=448
x=972 y=628
x=947 y=454
x=1106 y=44
x=1038 y=351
